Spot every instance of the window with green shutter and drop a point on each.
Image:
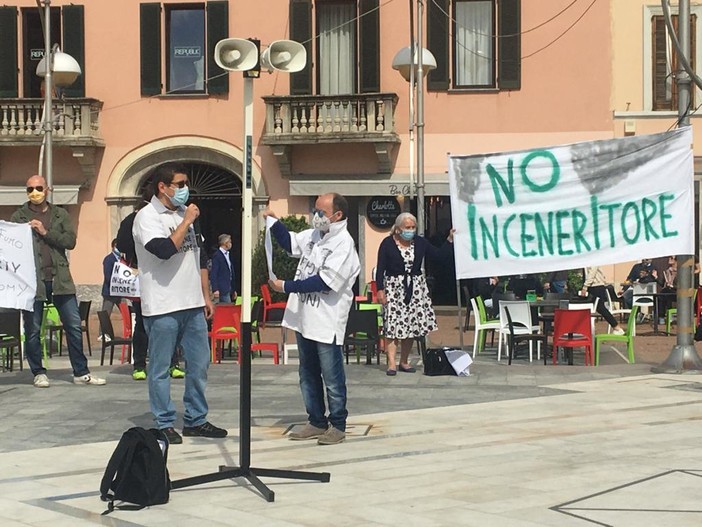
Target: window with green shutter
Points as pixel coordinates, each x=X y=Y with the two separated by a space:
x=476 y=43
x=666 y=64
x=74 y=45
x=342 y=38
x=183 y=37
x=8 y=52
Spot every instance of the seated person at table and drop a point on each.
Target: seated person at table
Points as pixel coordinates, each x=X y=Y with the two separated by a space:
x=556 y=281
x=595 y=286
x=633 y=276
x=521 y=284
x=670 y=285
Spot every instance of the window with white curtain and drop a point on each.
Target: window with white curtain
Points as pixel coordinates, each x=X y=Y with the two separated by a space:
x=336 y=28
x=474 y=43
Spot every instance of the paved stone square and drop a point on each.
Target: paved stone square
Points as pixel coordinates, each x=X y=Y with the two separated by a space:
x=520 y=445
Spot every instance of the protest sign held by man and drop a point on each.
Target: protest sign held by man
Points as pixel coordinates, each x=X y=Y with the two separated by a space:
x=18 y=280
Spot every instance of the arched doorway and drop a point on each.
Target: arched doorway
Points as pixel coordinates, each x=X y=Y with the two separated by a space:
x=217 y=192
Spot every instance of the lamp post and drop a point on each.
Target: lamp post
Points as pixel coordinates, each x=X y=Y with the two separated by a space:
x=683 y=357
x=58 y=70
x=414 y=65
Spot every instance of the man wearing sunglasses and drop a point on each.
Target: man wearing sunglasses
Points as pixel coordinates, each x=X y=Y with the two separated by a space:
x=319 y=311
x=53 y=234
x=174 y=301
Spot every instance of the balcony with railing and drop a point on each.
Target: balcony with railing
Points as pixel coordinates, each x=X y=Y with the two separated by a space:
x=323 y=119
x=75 y=125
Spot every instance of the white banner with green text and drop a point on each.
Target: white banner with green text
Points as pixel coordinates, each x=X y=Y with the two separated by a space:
x=571 y=206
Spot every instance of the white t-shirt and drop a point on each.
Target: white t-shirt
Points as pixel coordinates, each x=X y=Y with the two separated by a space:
x=322 y=316
x=166 y=285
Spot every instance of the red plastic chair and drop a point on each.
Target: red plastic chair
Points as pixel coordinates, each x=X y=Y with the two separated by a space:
x=572 y=329
x=374 y=291
x=126 y=330
x=256 y=321
x=226 y=325
x=268 y=303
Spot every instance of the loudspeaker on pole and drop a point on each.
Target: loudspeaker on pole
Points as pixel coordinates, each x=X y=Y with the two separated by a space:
x=236 y=54
x=284 y=55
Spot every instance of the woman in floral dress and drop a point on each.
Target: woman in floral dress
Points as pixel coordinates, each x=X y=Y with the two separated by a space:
x=402 y=289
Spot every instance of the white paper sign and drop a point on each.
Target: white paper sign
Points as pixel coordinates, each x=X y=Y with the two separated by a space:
x=268 y=243
x=460 y=361
x=572 y=206
x=124 y=281
x=18 y=278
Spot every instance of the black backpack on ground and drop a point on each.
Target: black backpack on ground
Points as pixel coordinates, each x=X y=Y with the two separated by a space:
x=137 y=471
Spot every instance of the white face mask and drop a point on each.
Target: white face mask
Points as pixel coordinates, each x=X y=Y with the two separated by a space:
x=320 y=221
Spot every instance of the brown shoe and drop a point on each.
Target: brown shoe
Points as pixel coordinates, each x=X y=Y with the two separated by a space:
x=308 y=432
x=331 y=437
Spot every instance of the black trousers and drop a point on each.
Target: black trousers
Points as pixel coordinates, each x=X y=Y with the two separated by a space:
x=140 y=341
x=600 y=291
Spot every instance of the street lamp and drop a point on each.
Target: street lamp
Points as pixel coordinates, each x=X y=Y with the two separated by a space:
x=59 y=70
x=414 y=65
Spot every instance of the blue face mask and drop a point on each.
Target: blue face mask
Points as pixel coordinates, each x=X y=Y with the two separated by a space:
x=180 y=198
x=407 y=234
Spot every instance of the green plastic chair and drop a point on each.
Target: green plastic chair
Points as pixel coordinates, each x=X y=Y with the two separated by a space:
x=670 y=315
x=50 y=318
x=627 y=337
x=482 y=324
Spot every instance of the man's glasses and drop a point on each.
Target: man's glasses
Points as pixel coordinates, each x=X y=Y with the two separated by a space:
x=38 y=188
x=180 y=184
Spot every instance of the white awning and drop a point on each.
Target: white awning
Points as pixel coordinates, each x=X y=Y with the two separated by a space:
x=397 y=185
x=62 y=195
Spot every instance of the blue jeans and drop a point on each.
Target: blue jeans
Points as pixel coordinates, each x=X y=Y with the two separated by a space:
x=225 y=298
x=188 y=329
x=67 y=306
x=322 y=364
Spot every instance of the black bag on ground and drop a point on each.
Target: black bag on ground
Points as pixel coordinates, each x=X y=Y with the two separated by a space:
x=698 y=333
x=436 y=363
x=137 y=472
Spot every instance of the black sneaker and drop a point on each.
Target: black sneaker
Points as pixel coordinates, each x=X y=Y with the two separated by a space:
x=204 y=430
x=172 y=436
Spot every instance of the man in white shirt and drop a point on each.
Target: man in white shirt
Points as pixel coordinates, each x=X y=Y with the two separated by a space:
x=174 y=301
x=318 y=312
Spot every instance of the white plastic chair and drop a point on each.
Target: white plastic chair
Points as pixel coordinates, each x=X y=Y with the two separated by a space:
x=643 y=297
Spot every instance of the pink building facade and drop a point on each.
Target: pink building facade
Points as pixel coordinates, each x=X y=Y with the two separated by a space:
x=510 y=74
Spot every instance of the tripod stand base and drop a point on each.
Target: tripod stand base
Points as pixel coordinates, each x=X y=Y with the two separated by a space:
x=252 y=474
